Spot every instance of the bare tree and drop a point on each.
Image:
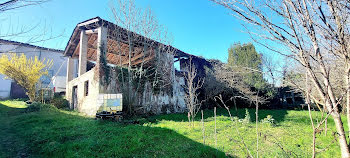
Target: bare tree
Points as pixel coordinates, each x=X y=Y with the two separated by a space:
x=231 y=78
x=224 y=78
x=270 y=67
x=222 y=102
x=140 y=50
x=35 y=32
x=310 y=31
x=193 y=83
x=9 y=5
x=15 y=4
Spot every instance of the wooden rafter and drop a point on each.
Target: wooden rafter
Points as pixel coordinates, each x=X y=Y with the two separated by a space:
x=117 y=51
x=145 y=60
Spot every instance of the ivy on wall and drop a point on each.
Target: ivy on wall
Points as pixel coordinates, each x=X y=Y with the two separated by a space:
x=104 y=69
x=153 y=75
x=139 y=78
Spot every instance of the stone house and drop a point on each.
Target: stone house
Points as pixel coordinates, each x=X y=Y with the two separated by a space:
x=100 y=53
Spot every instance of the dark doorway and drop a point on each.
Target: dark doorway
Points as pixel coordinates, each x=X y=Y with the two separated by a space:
x=17 y=91
x=75 y=98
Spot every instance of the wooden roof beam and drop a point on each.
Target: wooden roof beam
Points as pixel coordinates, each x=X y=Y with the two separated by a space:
x=133 y=59
x=91 y=31
x=76 y=51
x=143 y=60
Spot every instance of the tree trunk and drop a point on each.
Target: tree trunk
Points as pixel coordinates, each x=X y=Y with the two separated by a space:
x=234 y=103
x=344 y=148
x=348 y=94
x=256 y=124
x=309 y=109
x=129 y=73
x=325 y=122
x=329 y=97
x=31 y=96
x=189 y=118
x=338 y=123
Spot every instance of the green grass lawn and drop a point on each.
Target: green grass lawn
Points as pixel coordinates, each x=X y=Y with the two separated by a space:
x=59 y=133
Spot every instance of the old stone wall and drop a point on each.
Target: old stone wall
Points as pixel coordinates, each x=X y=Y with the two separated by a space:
x=169 y=99
x=85 y=103
x=163 y=102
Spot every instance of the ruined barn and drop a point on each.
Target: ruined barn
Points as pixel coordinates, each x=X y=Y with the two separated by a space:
x=108 y=61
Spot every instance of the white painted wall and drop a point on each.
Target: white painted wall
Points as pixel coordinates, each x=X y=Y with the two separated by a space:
x=5 y=87
x=59 y=83
x=59 y=66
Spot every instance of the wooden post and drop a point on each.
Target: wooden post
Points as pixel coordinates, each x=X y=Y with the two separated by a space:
x=216 y=139
x=203 y=129
x=256 y=123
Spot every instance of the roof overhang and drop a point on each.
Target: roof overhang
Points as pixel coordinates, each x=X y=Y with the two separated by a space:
x=93 y=24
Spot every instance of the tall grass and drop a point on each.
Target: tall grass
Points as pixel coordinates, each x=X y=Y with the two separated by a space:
x=58 y=133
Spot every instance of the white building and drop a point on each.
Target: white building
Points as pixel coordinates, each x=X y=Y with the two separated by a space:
x=9 y=89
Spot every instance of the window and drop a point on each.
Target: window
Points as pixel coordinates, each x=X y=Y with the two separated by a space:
x=46 y=79
x=86 y=89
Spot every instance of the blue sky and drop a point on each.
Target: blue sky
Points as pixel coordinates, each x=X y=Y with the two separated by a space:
x=198 y=27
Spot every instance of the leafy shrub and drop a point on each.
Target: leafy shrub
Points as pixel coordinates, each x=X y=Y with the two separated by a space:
x=246 y=117
x=39 y=107
x=269 y=120
x=235 y=119
x=24 y=70
x=59 y=102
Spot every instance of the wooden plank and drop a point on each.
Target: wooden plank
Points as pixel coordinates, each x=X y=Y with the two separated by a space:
x=91 y=40
x=143 y=60
x=133 y=58
x=90 y=52
x=76 y=51
x=92 y=31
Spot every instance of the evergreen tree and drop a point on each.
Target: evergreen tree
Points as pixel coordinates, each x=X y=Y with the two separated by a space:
x=244 y=58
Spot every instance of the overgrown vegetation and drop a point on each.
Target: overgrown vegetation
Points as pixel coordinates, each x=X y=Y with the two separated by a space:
x=59 y=102
x=145 y=57
x=59 y=133
x=192 y=86
x=36 y=106
x=313 y=35
x=138 y=77
x=239 y=82
x=103 y=69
